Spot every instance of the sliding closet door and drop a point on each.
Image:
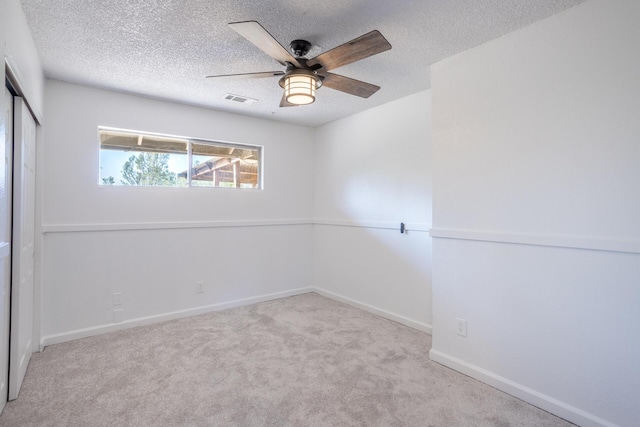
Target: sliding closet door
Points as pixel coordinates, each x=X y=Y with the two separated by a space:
x=24 y=147
x=6 y=162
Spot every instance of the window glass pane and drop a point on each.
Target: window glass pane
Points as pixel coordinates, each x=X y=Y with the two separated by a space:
x=225 y=165
x=142 y=160
x=138 y=159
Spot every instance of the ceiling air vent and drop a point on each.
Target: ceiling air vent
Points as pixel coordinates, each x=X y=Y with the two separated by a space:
x=240 y=99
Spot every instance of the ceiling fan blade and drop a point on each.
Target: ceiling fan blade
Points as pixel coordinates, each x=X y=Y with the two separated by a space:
x=245 y=76
x=284 y=103
x=359 y=48
x=349 y=85
x=256 y=34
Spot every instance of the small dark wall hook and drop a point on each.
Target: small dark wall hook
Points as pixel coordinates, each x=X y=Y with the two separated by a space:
x=402 y=228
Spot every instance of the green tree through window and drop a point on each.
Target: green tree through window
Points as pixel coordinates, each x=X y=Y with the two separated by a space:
x=148 y=169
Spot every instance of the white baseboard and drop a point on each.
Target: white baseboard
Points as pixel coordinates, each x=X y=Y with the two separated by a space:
x=548 y=403
x=375 y=310
x=102 y=329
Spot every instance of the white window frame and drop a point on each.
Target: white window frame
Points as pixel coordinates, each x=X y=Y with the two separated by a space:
x=259 y=185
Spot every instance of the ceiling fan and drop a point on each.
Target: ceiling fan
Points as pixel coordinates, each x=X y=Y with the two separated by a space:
x=302 y=76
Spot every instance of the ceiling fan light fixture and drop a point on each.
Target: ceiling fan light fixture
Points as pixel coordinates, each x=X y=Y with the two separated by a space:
x=300 y=87
x=304 y=76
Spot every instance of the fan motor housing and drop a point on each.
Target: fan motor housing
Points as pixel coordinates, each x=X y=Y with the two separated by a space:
x=299 y=48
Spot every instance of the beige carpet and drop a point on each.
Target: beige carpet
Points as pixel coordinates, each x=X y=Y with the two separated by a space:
x=300 y=361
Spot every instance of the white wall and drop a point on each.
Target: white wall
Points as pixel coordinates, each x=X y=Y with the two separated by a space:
x=372 y=172
x=153 y=244
x=536 y=208
x=72 y=195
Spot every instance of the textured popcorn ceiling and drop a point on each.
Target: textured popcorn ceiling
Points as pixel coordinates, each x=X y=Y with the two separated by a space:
x=165 y=48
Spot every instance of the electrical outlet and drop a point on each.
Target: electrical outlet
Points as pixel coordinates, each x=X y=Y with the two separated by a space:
x=117 y=315
x=117 y=298
x=199 y=287
x=461 y=326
